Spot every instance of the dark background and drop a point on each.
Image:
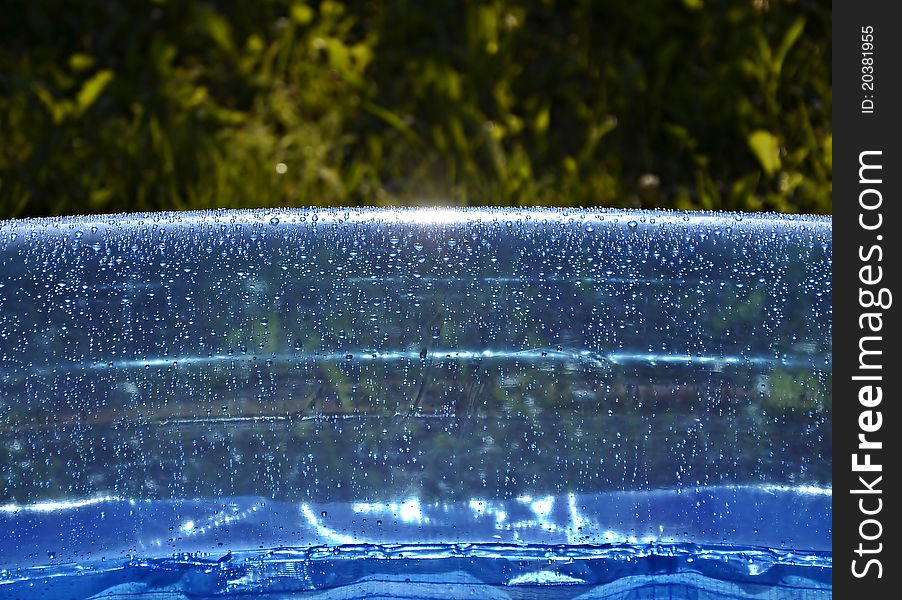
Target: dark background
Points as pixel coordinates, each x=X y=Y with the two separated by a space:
x=857 y=132
x=110 y=106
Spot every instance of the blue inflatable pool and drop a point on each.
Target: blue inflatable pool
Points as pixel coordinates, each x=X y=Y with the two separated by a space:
x=422 y=403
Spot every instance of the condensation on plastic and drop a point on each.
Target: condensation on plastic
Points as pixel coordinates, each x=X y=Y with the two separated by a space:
x=235 y=380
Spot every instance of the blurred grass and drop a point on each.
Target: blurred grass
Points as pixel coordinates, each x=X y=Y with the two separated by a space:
x=110 y=106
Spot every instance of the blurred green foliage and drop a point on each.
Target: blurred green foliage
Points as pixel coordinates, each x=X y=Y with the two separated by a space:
x=145 y=105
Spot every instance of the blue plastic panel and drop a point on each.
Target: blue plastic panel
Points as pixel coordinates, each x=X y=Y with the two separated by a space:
x=200 y=388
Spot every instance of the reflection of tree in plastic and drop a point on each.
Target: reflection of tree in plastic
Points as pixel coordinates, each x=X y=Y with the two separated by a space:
x=364 y=356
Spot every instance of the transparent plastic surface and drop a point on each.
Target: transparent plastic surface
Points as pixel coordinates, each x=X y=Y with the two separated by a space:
x=416 y=403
